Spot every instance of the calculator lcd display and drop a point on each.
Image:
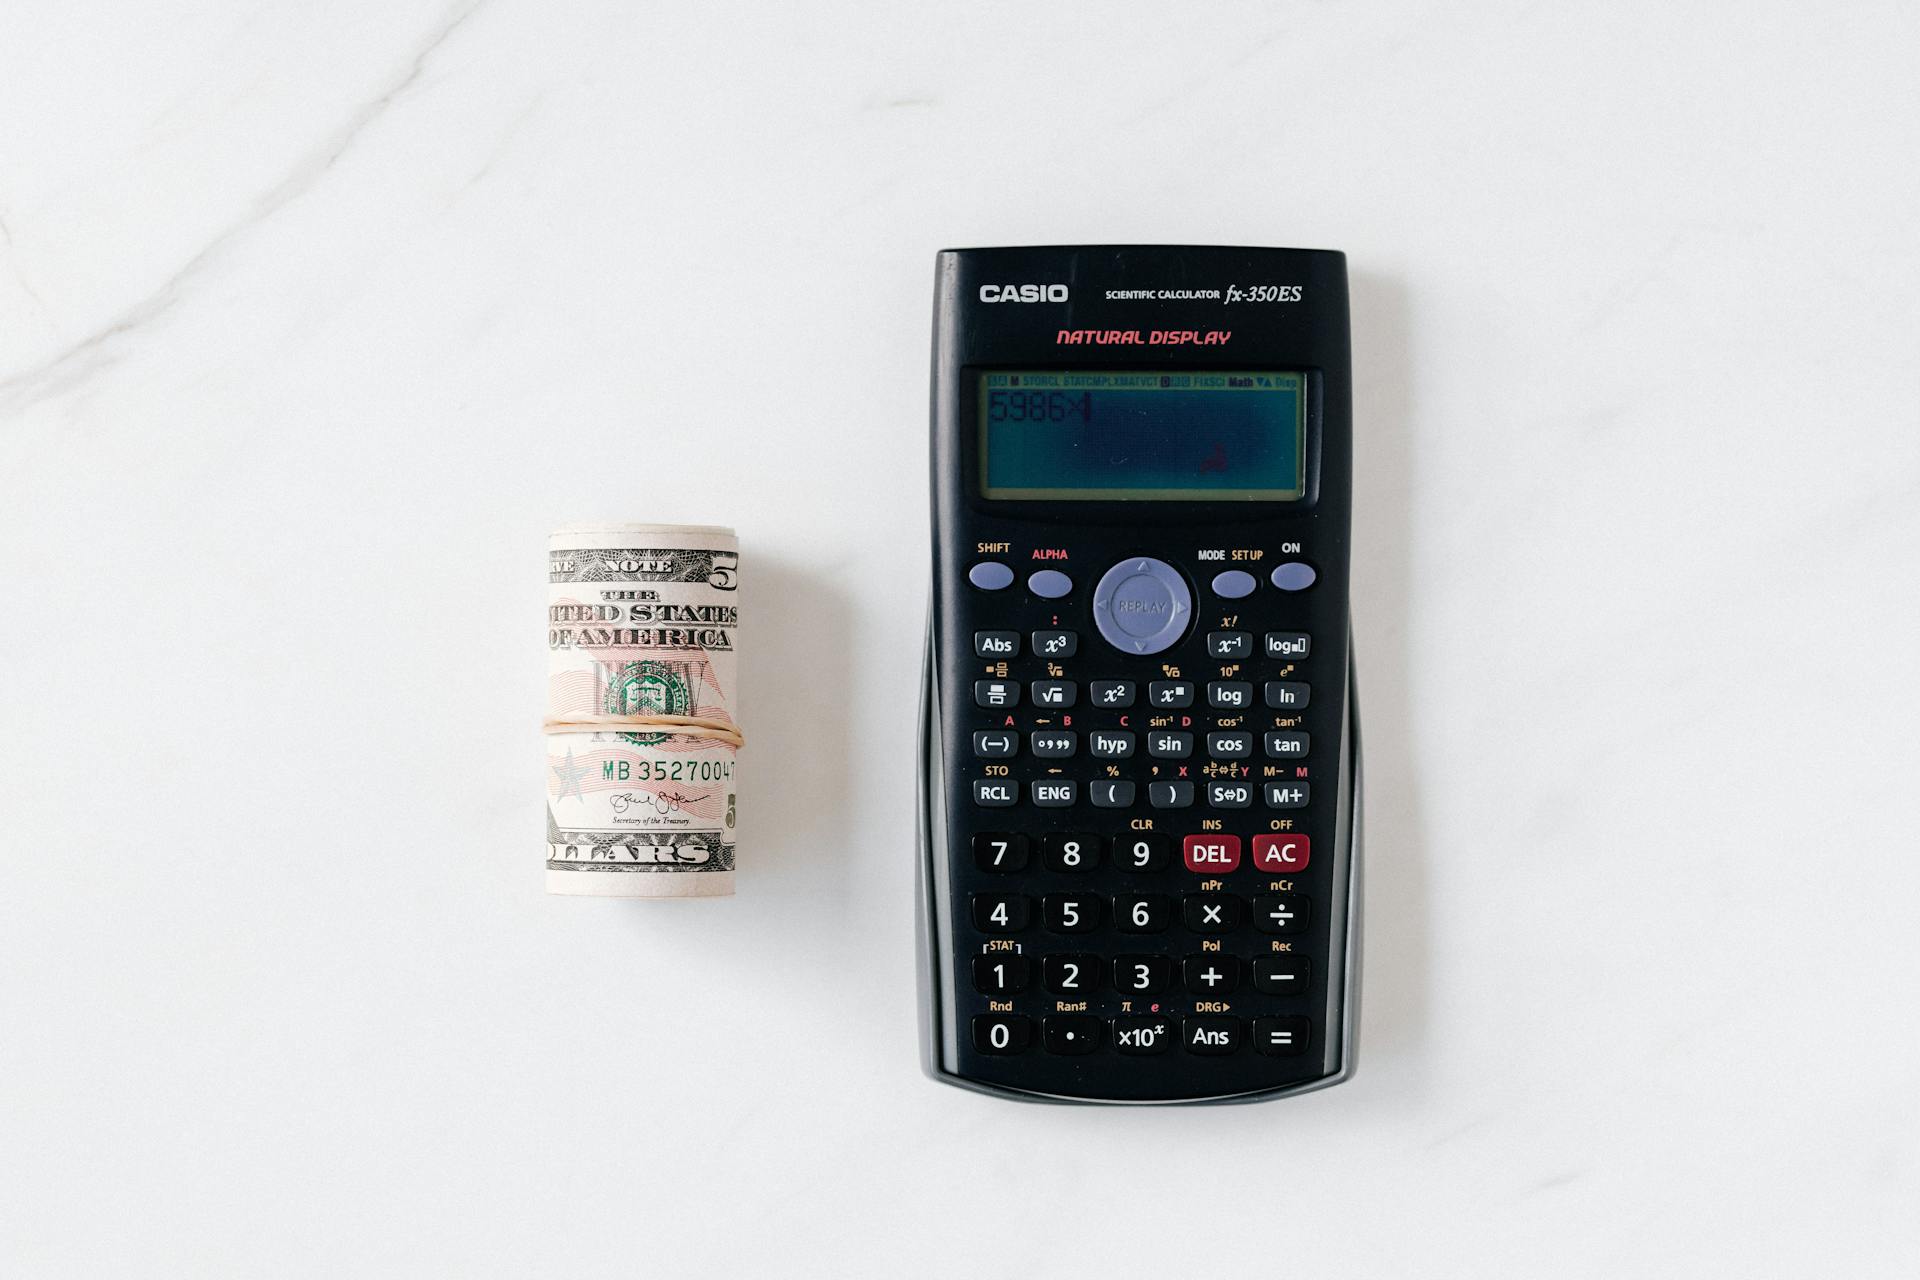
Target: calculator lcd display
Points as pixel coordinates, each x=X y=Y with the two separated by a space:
x=1179 y=437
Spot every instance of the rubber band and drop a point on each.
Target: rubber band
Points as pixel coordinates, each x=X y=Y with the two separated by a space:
x=687 y=726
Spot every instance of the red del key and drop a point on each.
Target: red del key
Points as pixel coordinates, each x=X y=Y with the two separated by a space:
x=1282 y=853
x=1212 y=852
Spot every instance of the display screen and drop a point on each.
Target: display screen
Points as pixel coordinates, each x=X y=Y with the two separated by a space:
x=1170 y=437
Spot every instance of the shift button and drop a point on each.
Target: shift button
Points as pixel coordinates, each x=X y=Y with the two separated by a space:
x=990 y=575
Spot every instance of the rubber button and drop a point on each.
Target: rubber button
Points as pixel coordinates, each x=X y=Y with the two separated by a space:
x=1049 y=584
x=1294 y=575
x=1233 y=584
x=990 y=575
x=1142 y=606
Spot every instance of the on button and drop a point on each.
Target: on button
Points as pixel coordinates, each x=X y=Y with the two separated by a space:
x=1294 y=575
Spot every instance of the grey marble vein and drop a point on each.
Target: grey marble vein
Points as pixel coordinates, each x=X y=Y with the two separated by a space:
x=81 y=359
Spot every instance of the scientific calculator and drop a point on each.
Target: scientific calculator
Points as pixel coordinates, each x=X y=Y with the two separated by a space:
x=1139 y=771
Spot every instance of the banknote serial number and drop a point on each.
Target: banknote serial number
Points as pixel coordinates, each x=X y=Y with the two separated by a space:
x=667 y=770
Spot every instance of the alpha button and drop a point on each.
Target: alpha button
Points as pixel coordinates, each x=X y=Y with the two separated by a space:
x=1049 y=584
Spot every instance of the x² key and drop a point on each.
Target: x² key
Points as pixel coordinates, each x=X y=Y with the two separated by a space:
x=1212 y=853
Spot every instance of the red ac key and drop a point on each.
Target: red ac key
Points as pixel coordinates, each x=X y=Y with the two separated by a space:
x=1212 y=852
x=1282 y=853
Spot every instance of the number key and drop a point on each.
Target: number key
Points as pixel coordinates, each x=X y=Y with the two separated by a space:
x=1070 y=975
x=999 y=851
x=1001 y=973
x=1070 y=851
x=1143 y=852
x=1071 y=912
x=1001 y=912
x=1001 y=1033
x=1141 y=975
x=1142 y=912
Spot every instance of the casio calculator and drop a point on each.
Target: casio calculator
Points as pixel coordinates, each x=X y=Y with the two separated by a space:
x=1139 y=770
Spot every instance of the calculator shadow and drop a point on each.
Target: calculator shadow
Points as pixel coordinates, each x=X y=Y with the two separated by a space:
x=1394 y=995
x=797 y=684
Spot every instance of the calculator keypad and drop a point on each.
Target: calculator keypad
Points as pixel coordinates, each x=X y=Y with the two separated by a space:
x=1143 y=858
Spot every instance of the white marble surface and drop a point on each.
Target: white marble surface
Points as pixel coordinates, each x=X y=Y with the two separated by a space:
x=313 y=319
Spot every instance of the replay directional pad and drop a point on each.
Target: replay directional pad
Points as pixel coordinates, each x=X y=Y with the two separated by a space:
x=1142 y=605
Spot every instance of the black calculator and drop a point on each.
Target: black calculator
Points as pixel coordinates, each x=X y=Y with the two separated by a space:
x=1140 y=756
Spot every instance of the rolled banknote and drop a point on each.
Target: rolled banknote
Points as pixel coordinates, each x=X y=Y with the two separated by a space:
x=642 y=734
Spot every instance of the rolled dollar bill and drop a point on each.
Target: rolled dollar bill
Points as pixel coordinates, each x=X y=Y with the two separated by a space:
x=642 y=728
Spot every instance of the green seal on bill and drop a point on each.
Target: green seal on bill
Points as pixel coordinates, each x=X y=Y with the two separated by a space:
x=648 y=688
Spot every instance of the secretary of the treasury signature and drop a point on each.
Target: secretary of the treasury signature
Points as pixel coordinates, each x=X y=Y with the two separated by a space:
x=664 y=803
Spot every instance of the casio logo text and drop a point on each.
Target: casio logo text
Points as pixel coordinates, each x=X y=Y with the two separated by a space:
x=1023 y=293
